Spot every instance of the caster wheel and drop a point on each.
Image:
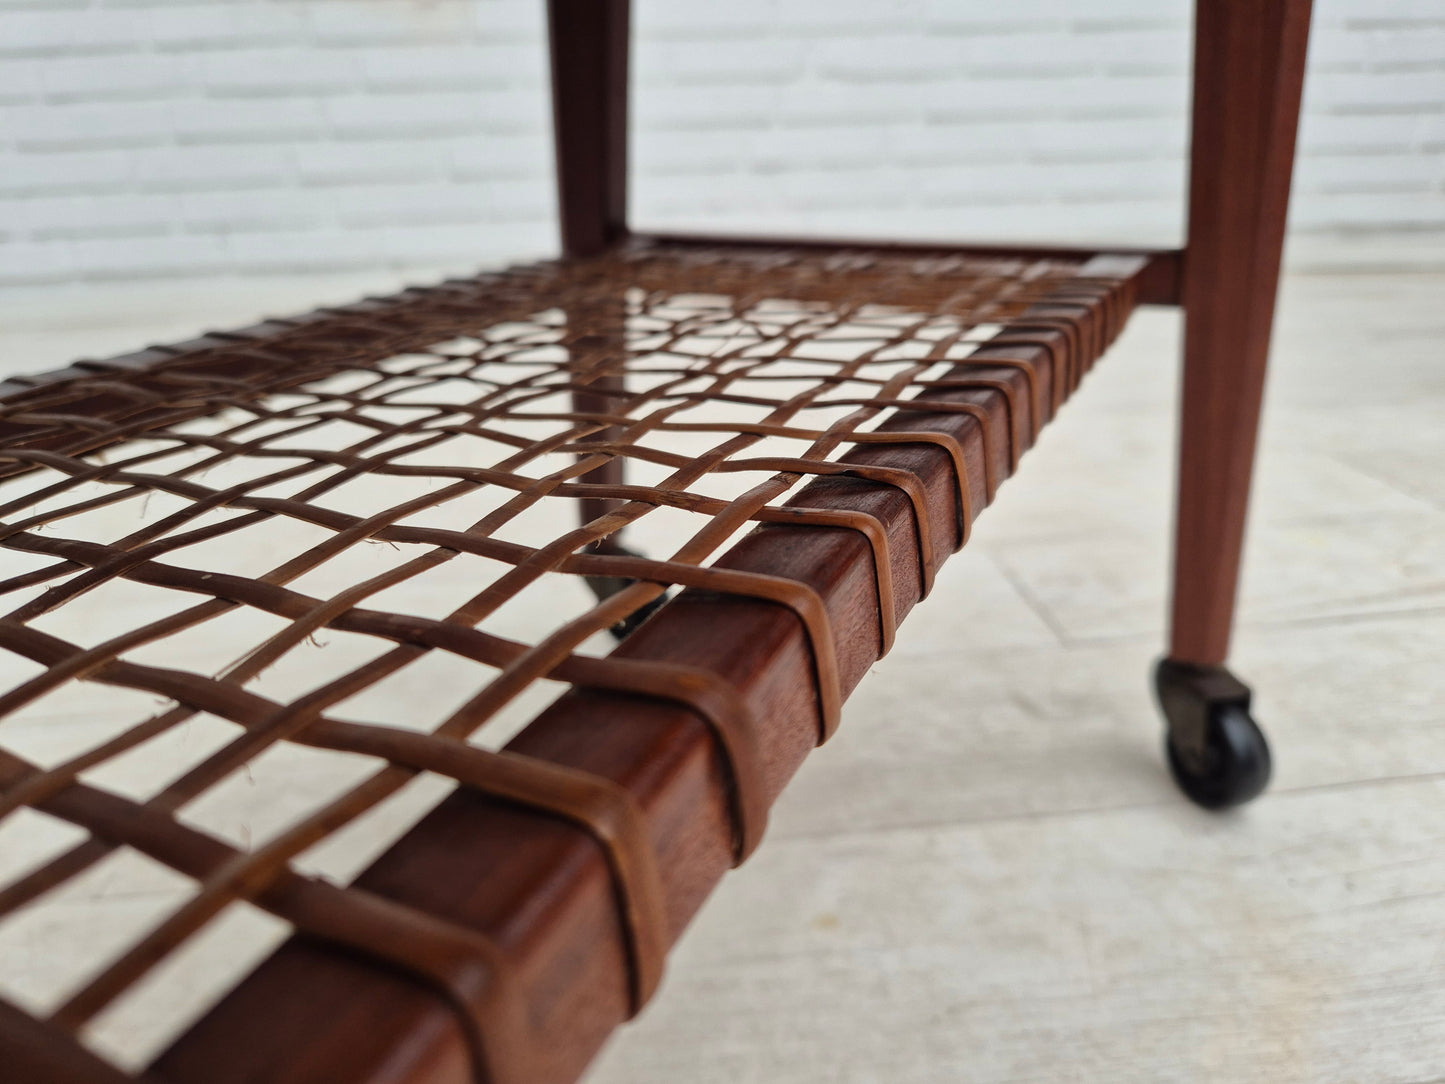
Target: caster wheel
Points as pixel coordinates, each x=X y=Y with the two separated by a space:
x=1217 y=754
x=604 y=587
x=628 y=625
x=1232 y=767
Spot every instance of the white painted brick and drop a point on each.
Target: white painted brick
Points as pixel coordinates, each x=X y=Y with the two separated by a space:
x=1322 y=132
x=1144 y=222
x=915 y=58
x=46 y=174
x=433 y=114
x=1119 y=139
x=89 y=125
x=693 y=107
x=21 y=80
x=378 y=205
x=510 y=200
x=383 y=204
x=36 y=262
x=280 y=72
x=179 y=169
x=361 y=22
x=984 y=99
x=89 y=30
x=307 y=250
x=1167 y=45
x=1432 y=132
x=335 y=133
x=1137 y=222
x=49 y=5
x=1106 y=138
x=750 y=19
x=1356 y=211
x=467 y=248
x=227 y=26
x=666 y=64
x=826 y=18
x=1364 y=92
x=1387 y=48
x=1379 y=173
x=451 y=66
x=156 y=256
x=506 y=20
x=526 y=155
x=1386 y=10
x=691 y=151
x=92 y=215
x=1096 y=11
x=1046 y=182
x=212 y=120
x=107 y=78
x=699 y=195
x=369 y=161
x=251 y=210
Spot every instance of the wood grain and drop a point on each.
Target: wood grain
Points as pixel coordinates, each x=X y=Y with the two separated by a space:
x=1158 y=282
x=589 y=46
x=1248 y=77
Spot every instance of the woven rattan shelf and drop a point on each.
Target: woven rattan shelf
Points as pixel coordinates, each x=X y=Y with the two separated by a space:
x=341 y=555
x=860 y=407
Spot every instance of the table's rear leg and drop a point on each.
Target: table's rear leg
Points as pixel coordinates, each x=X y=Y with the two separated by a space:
x=1248 y=73
x=588 y=56
x=601 y=396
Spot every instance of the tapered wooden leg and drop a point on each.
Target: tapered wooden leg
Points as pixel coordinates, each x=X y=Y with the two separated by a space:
x=600 y=340
x=600 y=397
x=1249 y=68
x=599 y=331
x=588 y=54
x=1249 y=71
x=589 y=58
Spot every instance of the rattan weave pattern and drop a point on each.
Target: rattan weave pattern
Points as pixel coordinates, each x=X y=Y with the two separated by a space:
x=459 y=426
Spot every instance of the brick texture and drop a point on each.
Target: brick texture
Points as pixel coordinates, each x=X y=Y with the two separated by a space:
x=187 y=137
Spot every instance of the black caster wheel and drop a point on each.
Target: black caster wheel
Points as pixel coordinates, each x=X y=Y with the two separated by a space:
x=604 y=587
x=1233 y=766
x=1217 y=753
x=629 y=624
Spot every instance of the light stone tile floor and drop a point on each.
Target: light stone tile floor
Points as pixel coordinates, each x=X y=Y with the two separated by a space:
x=987 y=876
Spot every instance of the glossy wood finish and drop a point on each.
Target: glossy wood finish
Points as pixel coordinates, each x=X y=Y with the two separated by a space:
x=589 y=46
x=1158 y=283
x=1248 y=74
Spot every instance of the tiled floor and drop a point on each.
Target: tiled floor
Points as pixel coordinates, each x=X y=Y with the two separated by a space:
x=987 y=875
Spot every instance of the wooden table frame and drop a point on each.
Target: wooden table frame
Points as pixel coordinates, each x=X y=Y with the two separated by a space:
x=311 y=1013
x=1249 y=61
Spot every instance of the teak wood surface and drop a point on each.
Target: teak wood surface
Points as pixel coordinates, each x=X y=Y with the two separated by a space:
x=1248 y=77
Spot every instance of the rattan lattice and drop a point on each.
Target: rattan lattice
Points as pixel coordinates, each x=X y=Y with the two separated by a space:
x=355 y=536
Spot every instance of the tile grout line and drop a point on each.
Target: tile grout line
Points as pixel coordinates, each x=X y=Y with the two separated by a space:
x=1030 y=600
x=1129 y=807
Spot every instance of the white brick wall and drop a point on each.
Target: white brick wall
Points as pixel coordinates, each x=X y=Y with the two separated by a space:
x=185 y=137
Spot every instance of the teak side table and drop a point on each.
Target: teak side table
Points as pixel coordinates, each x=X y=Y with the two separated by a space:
x=814 y=426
